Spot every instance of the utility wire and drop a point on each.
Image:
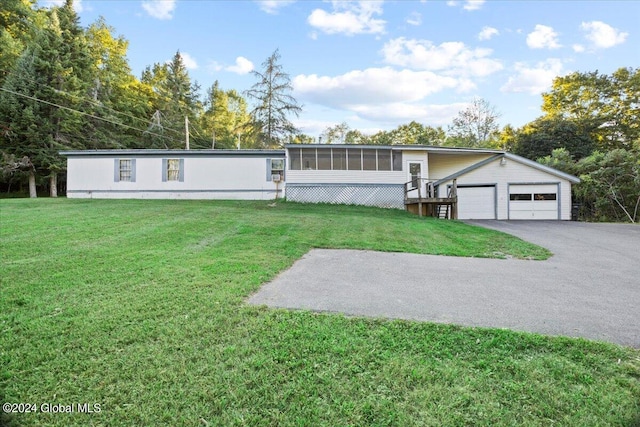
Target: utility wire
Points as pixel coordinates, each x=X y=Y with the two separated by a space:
x=82 y=112
x=98 y=104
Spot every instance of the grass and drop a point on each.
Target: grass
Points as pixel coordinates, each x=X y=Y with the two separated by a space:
x=139 y=306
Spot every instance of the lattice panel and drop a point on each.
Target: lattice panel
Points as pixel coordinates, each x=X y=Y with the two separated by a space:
x=369 y=195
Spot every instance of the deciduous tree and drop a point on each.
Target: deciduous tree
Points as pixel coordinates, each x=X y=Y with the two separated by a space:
x=118 y=97
x=225 y=119
x=475 y=126
x=335 y=134
x=540 y=137
x=605 y=107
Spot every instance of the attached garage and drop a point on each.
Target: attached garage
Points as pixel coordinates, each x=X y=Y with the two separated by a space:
x=534 y=201
x=477 y=202
x=509 y=187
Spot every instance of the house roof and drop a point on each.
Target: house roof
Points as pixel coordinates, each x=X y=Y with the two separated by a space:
x=515 y=158
x=407 y=147
x=181 y=153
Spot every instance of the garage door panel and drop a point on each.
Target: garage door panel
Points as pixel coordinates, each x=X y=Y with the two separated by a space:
x=476 y=203
x=535 y=201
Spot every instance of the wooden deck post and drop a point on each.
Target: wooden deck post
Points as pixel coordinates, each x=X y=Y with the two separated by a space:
x=419 y=198
x=454 y=196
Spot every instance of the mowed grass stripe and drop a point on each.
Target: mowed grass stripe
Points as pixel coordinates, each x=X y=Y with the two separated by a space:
x=139 y=306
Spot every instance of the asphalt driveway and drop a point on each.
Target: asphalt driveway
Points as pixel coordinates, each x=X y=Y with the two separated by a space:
x=590 y=288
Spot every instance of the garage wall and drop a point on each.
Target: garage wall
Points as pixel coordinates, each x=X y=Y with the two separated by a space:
x=442 y=165
x=514 y=172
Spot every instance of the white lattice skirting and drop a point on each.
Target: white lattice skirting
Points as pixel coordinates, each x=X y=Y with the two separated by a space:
x=384 y=196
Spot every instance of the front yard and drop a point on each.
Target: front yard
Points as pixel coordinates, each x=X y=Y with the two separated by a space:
x=138 y=306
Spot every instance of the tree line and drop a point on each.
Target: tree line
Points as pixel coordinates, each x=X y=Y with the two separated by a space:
x=64 y=87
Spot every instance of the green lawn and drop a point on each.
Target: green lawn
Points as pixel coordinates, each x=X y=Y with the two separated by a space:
x=138 y=306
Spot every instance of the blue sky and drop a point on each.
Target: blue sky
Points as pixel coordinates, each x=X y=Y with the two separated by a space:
x=379 y=64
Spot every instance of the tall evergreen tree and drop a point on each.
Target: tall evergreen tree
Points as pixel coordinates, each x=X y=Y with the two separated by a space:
x=17 y=22
x=274 y=103
x=43 y=92
x=176 y=97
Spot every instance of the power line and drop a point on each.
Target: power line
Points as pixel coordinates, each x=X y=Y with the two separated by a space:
x=81 y=112
x=97 y=103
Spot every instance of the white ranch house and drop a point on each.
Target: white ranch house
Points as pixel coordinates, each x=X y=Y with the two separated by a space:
x=489 y=184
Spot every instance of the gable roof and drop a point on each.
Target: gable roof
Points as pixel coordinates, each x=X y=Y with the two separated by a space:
x=516 y=158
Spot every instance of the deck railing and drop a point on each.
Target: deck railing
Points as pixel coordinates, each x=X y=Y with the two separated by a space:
x=422 y=185
x=426 y=192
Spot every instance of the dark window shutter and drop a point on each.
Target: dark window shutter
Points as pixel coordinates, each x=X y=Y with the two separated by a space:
x=164 y=170
x=268 y=169
x=181 y=171
x=133 y=170
x=116 y=170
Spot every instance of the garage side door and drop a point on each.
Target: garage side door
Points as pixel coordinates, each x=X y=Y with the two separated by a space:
x=533 y=201
x=477 y=202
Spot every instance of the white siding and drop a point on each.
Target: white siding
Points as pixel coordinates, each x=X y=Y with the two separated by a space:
x=513 y=172
x=220 y=177
x=443 y=165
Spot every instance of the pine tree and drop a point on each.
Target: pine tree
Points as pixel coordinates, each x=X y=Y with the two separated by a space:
x=176 y=97
x=272 y=94
x=44 y=91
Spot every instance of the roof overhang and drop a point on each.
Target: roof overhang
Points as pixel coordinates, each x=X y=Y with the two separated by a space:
x=408 y=147
x=180 y=153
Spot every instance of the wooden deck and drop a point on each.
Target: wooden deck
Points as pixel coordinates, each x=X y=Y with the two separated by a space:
x=439 y=207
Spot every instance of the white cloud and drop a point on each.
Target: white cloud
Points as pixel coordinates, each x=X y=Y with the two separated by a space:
x=534 y=80
x=414 y=18
x=243 y=66
x=487 y=33
x=349 y=18
x=578 y=48
x=214 y=66
x=398 y=113
x=188 y=61
x=312 y=127
x=473 y=4
x=603 y=35
x=468 y=4
x=272 y=6
x=369 y=95
x=371 y=86
x=451 y=57
x=543 y=37
x=159 y=9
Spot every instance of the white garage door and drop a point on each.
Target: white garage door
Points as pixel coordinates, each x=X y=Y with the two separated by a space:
x=476 y=202
x=533 y=201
